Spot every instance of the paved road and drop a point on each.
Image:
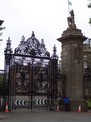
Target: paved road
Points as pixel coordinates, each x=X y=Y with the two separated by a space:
x=46 y=116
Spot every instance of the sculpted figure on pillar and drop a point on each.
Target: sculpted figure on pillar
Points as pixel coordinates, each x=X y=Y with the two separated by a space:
x=70 y=19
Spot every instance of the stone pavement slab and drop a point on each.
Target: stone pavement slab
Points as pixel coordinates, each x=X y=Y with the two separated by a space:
x=46 y=116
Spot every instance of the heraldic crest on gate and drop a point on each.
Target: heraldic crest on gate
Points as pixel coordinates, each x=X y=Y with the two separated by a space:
x=31 y=74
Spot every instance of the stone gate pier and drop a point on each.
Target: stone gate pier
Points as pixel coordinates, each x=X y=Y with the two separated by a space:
x=72 y=63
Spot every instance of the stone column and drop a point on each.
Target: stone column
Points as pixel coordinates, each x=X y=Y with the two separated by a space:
x=72 y=65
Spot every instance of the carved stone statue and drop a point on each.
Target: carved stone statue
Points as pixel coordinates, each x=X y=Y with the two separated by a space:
x=70 y=19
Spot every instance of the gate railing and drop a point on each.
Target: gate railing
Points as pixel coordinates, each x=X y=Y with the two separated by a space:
x=47 y=103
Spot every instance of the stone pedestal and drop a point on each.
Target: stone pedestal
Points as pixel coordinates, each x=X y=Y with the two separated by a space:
x=72 y=65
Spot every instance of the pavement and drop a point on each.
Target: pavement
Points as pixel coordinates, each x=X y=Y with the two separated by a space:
x=44 y=116
x=2 y=116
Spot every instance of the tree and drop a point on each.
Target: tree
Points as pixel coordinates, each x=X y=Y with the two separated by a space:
x=1 y=85
x=89 y=6
x=1 y=28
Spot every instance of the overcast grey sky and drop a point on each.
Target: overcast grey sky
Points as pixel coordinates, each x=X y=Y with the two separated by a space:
x=47 y=18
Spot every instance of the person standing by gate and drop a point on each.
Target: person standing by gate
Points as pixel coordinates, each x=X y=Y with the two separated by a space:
x=67 y=103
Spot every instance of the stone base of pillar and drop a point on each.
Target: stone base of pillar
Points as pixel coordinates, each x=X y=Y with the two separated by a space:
x=81 y=104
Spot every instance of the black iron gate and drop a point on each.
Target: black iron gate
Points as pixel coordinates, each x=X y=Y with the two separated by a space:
x=31 y=75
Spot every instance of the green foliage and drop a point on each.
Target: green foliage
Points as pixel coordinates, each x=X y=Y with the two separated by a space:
x=1 y=77
x=89 y=6
x=89 y=103
x=1 y=85
x=89 y=20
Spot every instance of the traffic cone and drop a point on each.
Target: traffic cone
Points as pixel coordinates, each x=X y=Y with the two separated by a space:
x=58 y=108
x=79 y=108
x=6 y=110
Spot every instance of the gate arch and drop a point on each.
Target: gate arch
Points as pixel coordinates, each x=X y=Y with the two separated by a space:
x=31 y=75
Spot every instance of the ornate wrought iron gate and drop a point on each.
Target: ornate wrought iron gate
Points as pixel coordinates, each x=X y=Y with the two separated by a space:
x=31 y=75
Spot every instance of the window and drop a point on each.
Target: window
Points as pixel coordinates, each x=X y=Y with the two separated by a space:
x=85 y=64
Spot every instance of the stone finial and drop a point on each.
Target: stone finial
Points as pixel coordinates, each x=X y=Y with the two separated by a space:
x=42 y=41
x=23 y=38
x=33 y=35
x=8 y=41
